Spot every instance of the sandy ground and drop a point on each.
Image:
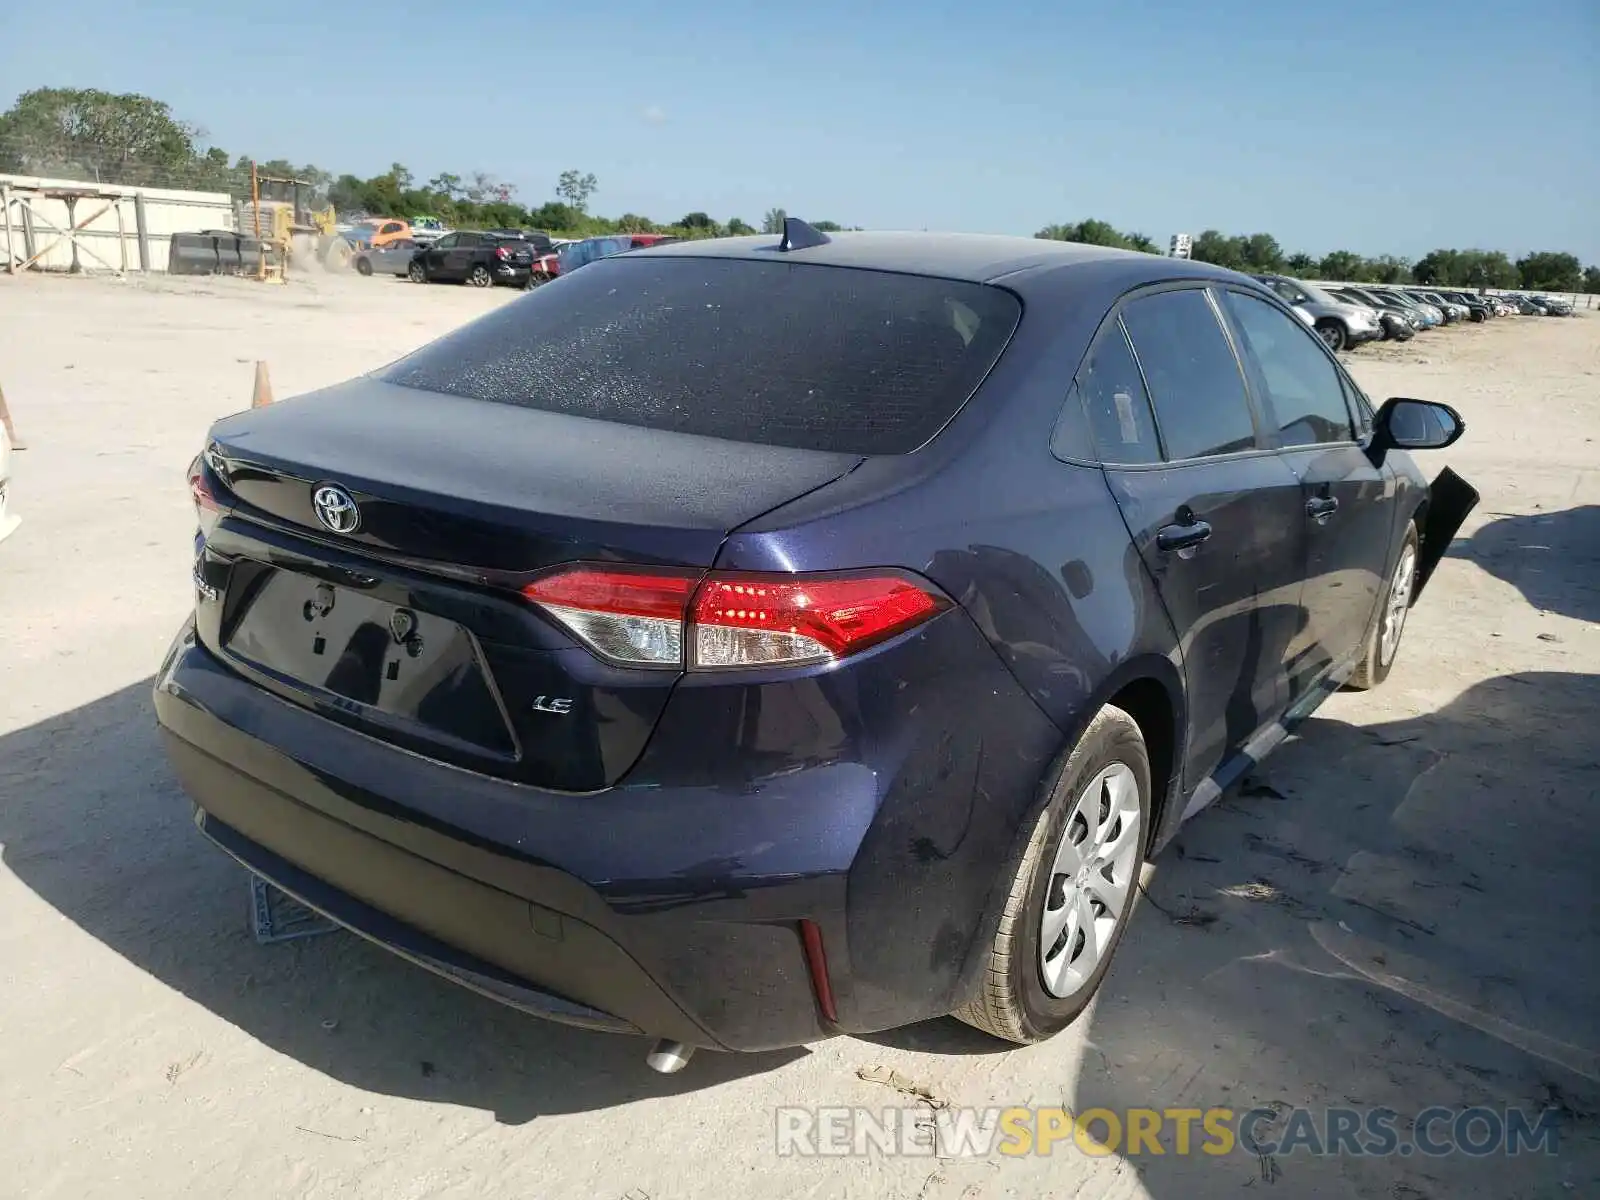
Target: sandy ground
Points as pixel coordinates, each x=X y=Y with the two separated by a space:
x=1401 y=910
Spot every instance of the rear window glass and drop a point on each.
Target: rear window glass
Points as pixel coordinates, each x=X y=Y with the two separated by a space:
x=777 y=353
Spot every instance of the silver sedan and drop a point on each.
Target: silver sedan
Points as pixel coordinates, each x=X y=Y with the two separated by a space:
x=393 y=259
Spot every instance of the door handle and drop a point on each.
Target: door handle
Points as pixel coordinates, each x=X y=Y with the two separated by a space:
x=1182 y=537
x=1320 y=508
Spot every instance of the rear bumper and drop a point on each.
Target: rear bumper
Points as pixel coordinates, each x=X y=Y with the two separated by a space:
x=665 y=908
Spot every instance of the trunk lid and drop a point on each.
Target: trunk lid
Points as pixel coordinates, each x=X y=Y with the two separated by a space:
x=409 y=626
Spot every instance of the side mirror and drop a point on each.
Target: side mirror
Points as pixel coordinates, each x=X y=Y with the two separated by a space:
x=1416 y=425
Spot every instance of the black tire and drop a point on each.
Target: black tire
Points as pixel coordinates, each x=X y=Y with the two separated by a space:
x=479 y=276
x=417 y=273
x=1378 y=658
x=535 y=278
x=363 y=266
x=1013 y=1003
x=1333 y=333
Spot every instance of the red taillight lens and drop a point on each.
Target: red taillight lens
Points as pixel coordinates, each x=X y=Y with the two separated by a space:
x=748 y=621
x=649 y=618
x=206 y=509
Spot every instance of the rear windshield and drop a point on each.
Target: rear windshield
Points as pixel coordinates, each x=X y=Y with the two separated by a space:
x=778 y=353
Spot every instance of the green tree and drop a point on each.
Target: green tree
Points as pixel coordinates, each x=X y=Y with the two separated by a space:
x=1389 y=269
x=575 y=188
x=773 y=221
x=1550 y=271
x=1091 y=232
x=737 y=228
x=1340 y=264
x=826 y=226
x=1262 y=254
x=1300 y=264
x=112 y=138
x=1141 y=242
x=1591 y=280
x=697 y=220
x=1217 y=248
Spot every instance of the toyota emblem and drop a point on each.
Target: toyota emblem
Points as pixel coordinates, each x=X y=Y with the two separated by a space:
x=335 y=509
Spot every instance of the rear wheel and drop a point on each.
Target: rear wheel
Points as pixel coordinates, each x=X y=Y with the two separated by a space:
x=1383 y=641
x=363 y=266
x=417 y=273
x=535 y=278
x=1332 y=333
x=479 y=276
x=1074 y=889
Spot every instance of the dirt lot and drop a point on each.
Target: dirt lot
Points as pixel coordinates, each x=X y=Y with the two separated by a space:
x=1401 y=910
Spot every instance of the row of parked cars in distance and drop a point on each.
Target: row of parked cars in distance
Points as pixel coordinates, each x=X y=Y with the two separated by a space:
x=483 y=258
x=1348 y=314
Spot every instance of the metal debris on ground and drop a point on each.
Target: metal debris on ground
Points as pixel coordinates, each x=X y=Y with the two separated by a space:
x=903 y=1084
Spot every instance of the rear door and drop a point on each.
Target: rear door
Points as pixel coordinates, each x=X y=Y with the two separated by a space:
x=1214 y=513
x=437 y=252
x=459 y=257
x=1348 y=503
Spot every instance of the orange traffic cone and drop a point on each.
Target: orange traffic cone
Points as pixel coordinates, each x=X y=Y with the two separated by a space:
x=11 y=430
x=262 y=396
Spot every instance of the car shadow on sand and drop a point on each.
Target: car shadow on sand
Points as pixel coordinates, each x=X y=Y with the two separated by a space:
x=1400 y=915
x=1552 y=558
x=94 y=823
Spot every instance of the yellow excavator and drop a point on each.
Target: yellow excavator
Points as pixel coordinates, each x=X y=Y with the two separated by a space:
x=280 y=213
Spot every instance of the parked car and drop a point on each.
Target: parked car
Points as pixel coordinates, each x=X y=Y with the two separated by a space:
x=377 y=232
x=393 y=259
x=1397 y=324
x=1554 y=306
x=1526 y=306
x=702 y=684
x=1452 y=312
x=1432 y=316
x=427 y=229
x=1477 y=308
x=1338 y=322
x=580 y=254
x=537 y=239
x=481 y=259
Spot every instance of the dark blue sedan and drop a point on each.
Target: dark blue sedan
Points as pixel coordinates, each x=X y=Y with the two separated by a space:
x=742 y=641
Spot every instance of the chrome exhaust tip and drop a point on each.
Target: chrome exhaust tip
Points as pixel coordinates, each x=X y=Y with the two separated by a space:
x=669 y=1057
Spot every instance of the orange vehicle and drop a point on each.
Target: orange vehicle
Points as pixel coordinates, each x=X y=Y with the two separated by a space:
x=377 y=232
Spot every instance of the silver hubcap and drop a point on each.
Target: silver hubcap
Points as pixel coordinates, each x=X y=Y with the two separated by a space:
x=1090 y=881
x=1394 y=617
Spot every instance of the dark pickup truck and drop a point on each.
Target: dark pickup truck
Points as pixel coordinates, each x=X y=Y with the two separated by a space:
x=481 y=259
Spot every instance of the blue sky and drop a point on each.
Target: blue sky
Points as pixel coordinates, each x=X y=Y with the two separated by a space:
x=1303 y=120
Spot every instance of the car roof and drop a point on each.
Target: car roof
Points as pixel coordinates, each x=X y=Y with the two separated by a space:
x=979 y=258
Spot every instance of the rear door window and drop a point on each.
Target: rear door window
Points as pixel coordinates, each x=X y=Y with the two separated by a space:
x=1193 y=377
x=777 y=353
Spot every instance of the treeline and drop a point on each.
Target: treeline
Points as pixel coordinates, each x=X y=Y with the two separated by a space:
x=1260 y=253
x=134 y=140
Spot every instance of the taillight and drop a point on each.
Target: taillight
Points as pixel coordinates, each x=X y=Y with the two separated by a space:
x=206 y=509
x=633 y=617
x=752 y=621
x=730 y=620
